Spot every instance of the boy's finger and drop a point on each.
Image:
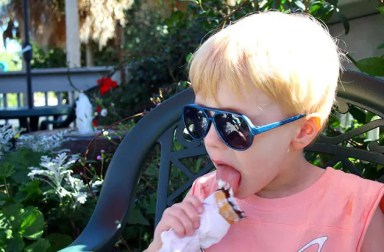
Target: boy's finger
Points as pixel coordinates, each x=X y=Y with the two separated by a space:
x=177 y=225
x=193 y=213
x=183 y=224
x=196 y=202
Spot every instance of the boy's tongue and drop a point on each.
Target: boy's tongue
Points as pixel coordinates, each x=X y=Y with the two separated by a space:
x=229 y=175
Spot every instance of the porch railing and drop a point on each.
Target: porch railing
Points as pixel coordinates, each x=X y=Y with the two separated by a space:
x=54 y=91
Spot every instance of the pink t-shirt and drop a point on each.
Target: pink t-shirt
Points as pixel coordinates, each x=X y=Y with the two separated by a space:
x=331 y=215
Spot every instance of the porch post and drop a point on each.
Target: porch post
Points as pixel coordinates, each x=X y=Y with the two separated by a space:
x=72 y=32
x=27 y=53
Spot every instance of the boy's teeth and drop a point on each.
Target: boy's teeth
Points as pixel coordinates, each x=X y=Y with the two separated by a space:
x=228 y=175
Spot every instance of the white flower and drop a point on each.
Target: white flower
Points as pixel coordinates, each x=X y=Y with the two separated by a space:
x=104 y=112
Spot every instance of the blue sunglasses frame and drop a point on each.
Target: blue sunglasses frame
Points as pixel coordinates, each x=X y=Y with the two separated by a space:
x=253 y=130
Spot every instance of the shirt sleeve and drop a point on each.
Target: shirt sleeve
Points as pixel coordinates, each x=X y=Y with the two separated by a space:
x=203 y=186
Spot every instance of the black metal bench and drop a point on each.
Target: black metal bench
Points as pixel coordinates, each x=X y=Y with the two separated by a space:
x=338 y=147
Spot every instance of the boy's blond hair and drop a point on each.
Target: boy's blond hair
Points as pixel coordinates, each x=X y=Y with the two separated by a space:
x=290 y=57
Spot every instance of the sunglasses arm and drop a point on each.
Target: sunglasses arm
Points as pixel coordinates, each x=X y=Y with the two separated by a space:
x=264 y=128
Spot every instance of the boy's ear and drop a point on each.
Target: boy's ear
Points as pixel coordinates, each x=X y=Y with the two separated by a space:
x=309 y=129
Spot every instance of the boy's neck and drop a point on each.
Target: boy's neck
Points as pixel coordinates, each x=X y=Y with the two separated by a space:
x=297 y=177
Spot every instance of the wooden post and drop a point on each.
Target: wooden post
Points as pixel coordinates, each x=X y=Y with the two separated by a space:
x=89 y=55
x=72 y=32
x=27 y=53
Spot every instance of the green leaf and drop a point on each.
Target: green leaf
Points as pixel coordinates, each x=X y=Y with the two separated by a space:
x=18 y=223
x=3 y=198
x=22 y=159
x=381 y=10
x=373 y=66
x=321 y=10
x=314 y=8
x=8 y=233
x=299 y=4
x=189 y=57
x=16 y=244
x=32 y=224
x=6 y=170
x=135 y=216
x=12 y=214
x=381 y=46
x=29 y=191
x=58 y=241
x=40 y=245
x=4 y=223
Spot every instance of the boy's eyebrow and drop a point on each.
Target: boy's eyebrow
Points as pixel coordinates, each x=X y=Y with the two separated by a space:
x=228 y=109
x=249 y=113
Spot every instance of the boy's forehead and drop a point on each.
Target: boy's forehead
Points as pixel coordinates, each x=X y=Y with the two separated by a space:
x=241 y=100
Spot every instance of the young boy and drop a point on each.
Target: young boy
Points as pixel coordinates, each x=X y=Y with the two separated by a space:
x=279 y=70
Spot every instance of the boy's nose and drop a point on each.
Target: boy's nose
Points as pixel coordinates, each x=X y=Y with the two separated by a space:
x=213 y=140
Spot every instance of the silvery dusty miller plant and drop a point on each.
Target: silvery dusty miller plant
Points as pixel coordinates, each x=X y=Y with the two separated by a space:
x=6 y=134
x=57 y=173
x=41 y=142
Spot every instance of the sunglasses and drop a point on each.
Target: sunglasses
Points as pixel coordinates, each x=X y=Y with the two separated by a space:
x=235 y=130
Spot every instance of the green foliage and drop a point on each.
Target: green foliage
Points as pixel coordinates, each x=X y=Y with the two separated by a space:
x=47 y=58
x=21 y=223
x=373 y=65
x=107 y=56
x=36 y=215
x=12 y=61
x=350 y=123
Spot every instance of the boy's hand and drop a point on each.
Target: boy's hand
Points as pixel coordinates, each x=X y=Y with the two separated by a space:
x=183 y=218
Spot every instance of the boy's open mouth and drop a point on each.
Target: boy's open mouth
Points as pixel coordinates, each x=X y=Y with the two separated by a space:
x=228 y=174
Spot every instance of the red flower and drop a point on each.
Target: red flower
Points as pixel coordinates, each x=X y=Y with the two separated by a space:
x=98 y=109
x=95 y=122
x=105 y=84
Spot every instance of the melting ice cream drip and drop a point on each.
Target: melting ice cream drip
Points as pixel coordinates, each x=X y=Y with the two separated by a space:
x=226 y=203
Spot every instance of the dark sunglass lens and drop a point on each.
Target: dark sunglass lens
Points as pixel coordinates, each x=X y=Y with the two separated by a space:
x=196 y=122
x=234 y=130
